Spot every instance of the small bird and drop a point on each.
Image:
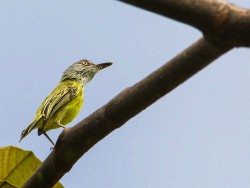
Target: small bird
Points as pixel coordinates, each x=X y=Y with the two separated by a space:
x=65 y=101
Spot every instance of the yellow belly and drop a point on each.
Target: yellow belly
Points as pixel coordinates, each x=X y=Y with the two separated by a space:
x=65 y=114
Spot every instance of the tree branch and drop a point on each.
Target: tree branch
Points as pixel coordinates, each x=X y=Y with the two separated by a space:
x=224 y=25
x=74 y=142
x=221 y=22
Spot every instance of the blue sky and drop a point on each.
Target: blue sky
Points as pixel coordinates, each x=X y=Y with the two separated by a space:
x=196 y=136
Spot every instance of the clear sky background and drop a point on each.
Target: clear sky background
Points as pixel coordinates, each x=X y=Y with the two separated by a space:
x=196 y=136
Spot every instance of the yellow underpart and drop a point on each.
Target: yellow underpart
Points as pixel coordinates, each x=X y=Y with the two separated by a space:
x=67 y=112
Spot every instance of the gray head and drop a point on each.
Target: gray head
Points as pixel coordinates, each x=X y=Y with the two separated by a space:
x=82 y=71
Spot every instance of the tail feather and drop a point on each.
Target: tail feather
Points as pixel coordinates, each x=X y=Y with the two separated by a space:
x=26 y=131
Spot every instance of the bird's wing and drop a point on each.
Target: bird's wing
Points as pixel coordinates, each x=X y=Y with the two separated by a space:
x=57 y=100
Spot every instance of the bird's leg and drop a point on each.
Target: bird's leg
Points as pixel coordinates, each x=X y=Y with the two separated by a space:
x=41 y=131
x=59 y=124
x=47 y=136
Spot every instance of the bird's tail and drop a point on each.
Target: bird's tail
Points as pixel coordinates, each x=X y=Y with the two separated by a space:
x=26 y=131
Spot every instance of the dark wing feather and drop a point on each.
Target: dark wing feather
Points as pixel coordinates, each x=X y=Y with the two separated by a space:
x=57 y=101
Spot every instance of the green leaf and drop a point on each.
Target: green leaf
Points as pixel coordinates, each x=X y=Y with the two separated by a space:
x=17 y=166
x=5 y=184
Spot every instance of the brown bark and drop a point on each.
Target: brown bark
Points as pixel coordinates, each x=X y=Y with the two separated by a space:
x=221 y=22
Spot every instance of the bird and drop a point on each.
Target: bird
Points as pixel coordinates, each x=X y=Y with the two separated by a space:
x=64 y=103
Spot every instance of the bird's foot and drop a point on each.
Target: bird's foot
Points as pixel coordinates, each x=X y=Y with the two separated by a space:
x=60 y=125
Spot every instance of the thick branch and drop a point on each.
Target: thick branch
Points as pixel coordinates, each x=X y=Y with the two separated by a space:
x=222 y=23
x=75 y=141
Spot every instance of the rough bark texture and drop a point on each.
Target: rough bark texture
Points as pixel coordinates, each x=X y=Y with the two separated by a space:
x=224 y=26
x=220 y=22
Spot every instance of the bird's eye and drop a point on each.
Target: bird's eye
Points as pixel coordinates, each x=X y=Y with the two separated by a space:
x=84 y=62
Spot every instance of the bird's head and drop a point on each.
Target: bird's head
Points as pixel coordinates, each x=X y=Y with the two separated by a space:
x=83 y=71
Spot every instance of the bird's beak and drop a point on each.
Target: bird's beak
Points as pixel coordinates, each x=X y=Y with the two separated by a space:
x=103 y=65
